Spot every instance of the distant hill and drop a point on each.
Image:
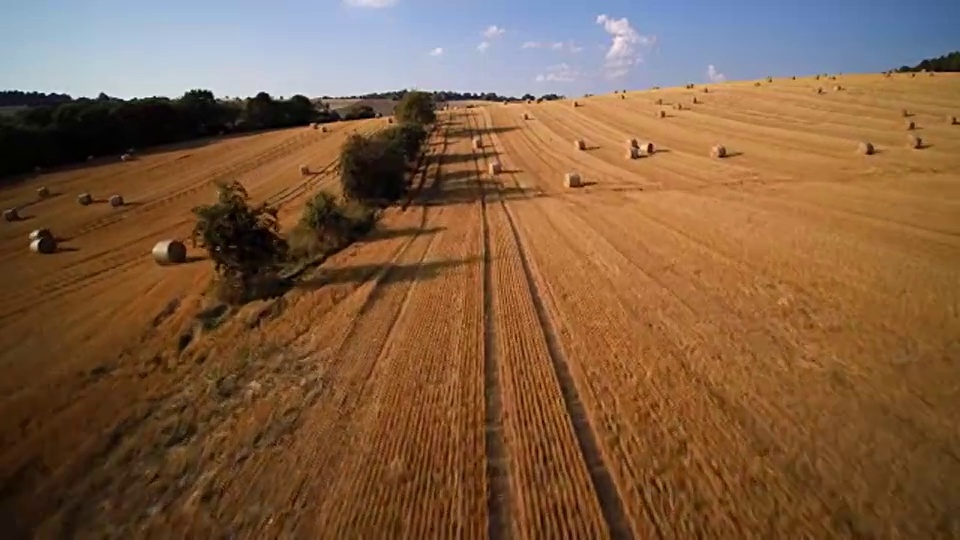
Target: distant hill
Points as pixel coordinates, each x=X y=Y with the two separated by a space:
x=947 y=62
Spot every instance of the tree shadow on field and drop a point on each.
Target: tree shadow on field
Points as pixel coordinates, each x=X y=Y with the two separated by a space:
x=450 y=159
x=395 y=273
x=385 y=234
x=470 y=133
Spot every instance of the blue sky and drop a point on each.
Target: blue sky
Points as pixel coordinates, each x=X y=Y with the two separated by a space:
x=338 y=47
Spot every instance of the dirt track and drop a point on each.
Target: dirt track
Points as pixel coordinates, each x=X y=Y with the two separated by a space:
x=761 y=346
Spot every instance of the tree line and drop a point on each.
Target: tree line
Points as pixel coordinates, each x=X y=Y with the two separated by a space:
x=947 y=62
x=447 y=95
x=70 y=131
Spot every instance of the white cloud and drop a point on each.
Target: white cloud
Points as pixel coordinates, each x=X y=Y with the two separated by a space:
x=625 y=49
x=370 y=3
x=493 y=31
x=437 y=52
x=559 y=73
x=483 y=46
x=555 y=45
x=715 y=76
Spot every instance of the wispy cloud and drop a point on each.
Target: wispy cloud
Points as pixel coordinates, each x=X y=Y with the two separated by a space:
x=370 y=3
x=554 y=45
x=493 y=31
x=715 y=76
x=625 y=50
x=559 y=73
x=437 y=52
x=483 y=46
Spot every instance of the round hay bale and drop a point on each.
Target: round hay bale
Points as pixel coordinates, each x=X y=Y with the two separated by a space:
x=633 y=143
x=913 y=75
x=131 y=151
x=313 y=125
x=695 y=100
x=495 y=168
x=572 y=180
x=85 y=199
x=647 y=148
x=914 y=142
x=579 y=144
x=817 y=77
x=910 y=125
x=865 y=148
x=323 y=129
x=718 y=151
x=769 y=79
x=116 y=201
x=706 y=90
x=477 y=143
x=575 y=104
x=659 y=101
x=756 y=83
x=623 y=96
x=43 y=192
x=819 y=90
x=40 y=233
x=678 y=106
x=45 y=245
x=837 y=88
x=304 y=170
x=793 y=78
x=526 y=116
x=126 y=157
x=661 y=114
x=169 y=252
x=389 y=120
x=633 y=153
x=904 y=113
x=952 y=120
x=89 y=158
x=11 y=214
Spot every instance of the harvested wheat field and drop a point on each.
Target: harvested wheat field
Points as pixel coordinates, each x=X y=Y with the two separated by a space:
x=759 y=343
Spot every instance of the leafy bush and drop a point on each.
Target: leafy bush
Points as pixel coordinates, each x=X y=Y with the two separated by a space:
x=416 y=107
x=409 y=137
x=357 y=112
x=372 y=169
x=243 y=242
x=328 y=226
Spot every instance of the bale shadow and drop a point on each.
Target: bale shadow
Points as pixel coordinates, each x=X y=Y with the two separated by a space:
x=395 y=273
x=39 y=200
x=733 y=154
x=590 y=148
x=66 y=249
x=588 y=183
x=924 y=146
x=194 y=258
x=661 y=150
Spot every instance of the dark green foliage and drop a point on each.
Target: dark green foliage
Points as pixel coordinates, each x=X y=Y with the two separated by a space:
x=408 y=136
x=17 y=98
x=372 y=170
x=357 y=112
x=948 y=62
x=243 y=242
x=416 y=107
x=328 y=226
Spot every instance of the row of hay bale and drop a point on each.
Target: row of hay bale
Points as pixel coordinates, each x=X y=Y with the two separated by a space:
x=84 y=199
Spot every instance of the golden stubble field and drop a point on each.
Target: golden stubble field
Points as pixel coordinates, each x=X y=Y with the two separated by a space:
x=766 y=345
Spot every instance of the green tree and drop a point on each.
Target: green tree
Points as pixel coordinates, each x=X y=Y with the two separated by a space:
x=416 y=107
x=372 y=170
x=243 y=241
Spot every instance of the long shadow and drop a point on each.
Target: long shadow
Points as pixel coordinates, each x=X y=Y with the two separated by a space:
x=464 y=132
x=733 y=154
x=396 y=273
x=39 y=200
x=384 y=234
x=466 y=158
